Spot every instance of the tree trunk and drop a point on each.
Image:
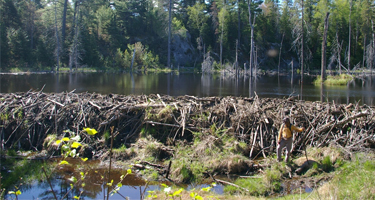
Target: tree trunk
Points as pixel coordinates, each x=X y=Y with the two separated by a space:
x=281 y=46
x=251 y=39
x=324 y=46
x=169 y=32
x=373 y=46
x=338 y=51
x=73 y=54
x=251 y=64
x=302 y=46
x=364 y=50
x=239 y=24
x=350 y=30
x=236 y=65
x=57 y=41
x=63 y=25
x=221 y=45
x=76 y=35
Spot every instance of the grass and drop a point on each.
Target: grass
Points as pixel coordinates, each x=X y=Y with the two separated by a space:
x=352 y=180
x=342 y=79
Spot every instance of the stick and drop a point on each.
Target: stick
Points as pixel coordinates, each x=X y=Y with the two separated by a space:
x=55 y=102
x=232 y=184
x=49 y=182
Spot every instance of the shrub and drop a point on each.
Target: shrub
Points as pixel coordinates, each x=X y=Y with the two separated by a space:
x=143 y=58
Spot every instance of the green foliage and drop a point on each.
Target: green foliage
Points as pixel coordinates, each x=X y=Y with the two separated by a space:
x=106 y=29
x=143 y=58
x=342 y=79
x=254 y=185
x=269 y=182
x=327 y=164
x=120 y=149
x=187 y=174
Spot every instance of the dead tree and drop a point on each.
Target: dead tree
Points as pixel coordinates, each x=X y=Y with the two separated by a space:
x=324 y=45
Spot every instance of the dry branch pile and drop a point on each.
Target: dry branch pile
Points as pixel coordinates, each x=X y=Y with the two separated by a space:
x=27 y=119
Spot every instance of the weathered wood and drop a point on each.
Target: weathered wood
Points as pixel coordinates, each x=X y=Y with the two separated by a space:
x=29 y=117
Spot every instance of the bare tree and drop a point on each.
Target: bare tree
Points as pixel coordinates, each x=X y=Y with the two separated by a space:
x=239 y=25
x=281 y=46
x=74 y=49
x=57 y=40
x=251 y=64
x=169 y=32
x=302 y=44
x=63 y=25
x=324 y=46
x=350 y=30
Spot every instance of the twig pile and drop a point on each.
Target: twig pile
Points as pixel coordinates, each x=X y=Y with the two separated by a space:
x=27 y=118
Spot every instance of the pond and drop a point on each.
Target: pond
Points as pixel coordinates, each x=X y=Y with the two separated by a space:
x=95 y=182
x=360 y=91
x=175 y=84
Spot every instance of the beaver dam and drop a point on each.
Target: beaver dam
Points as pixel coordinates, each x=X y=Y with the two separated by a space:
x=163 y=125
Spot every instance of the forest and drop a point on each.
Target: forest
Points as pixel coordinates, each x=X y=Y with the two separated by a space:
x=117 y=34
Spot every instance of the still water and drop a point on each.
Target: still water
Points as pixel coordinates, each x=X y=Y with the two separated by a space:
x=92 y=184
x=196 y=84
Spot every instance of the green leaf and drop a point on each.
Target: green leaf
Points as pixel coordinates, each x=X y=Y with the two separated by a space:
x=84 y=159
x=111 y=183
x=73 y=179
x=64 y=162
x=119 y=185
x=58 y=142
x=206 y=189
x=11 y=192
x=199 y=197
x=129 y=171
x=164 y=185
x=65 y=139
x=178 y=192
x=82 y=175
x=90 y=131
x=76 y=197
x=83 y=184
x=152 y=196
x=65 y=147
x=76 y=145
x=192 y=194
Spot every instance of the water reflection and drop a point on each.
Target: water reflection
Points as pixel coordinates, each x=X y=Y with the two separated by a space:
x=195 y=84
x=95 y=180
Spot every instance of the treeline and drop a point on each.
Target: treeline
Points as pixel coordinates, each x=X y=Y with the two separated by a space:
x=118 y=34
